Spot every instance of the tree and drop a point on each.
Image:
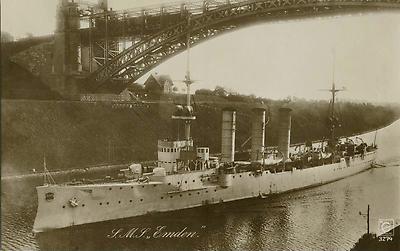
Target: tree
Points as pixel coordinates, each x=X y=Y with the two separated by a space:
x=206 y=92
x=6 y=37
x=220 y=91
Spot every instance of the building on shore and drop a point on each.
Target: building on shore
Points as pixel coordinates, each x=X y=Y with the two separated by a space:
x=158 y=84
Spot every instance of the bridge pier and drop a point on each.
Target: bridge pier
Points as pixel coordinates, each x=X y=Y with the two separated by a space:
x=66 y=50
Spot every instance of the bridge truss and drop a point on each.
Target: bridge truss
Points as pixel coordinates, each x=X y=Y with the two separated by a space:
x=159 y=33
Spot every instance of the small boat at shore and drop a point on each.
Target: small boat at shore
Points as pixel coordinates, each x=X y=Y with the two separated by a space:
x=378 y=165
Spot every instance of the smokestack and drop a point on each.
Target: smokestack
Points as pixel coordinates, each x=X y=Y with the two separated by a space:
x=257 y=134
x=284 y=132
x=228 y=135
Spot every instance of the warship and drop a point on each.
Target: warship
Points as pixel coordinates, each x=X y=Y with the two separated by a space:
x=188 y=176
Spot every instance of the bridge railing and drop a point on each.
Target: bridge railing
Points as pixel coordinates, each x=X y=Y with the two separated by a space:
x=171 y=8
x=194 y=7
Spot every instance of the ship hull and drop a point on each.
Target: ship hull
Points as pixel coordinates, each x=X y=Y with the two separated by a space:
x=82 y=204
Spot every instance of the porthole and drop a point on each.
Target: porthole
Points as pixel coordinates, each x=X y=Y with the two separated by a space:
x=108 y=203
x=83 y=205
x=142 y=186
x=198 y=192
x=63 y=206
x=119 y=202
x=185 y=181
x=180 y=195
x=162 y=197
x=233 y=176
x=206 y=191
x=179 y=183
x=194 y=180
x=141 y=199
x=169 y=183
x=120 y=188
x=190 y=194
x=249 y=174
x=110 y=189
x=171 y=197
x=154 y=185
x=100 y=203
x=132 y=187
x=215 y=190
x=240 y=176
x=130 y=200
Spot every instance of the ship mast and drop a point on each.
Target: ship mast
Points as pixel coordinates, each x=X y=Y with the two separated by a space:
x=47 y=178
x=186 y=113
x=332 y=118
x=44 y=170
x=333 y=90
x=188 y=82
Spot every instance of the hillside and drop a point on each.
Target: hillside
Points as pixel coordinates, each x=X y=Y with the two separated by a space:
x=76 y=134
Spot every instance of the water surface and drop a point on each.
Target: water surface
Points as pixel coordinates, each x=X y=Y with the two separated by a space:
x=321 y=218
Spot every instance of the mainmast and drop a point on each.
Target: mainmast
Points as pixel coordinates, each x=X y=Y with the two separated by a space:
x=332 y=119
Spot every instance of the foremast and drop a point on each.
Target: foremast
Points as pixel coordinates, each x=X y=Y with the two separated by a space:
x=176 y=155
x=188 y=82
x=187 y=112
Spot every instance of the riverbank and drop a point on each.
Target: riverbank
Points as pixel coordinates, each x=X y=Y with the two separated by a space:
x=79 y=134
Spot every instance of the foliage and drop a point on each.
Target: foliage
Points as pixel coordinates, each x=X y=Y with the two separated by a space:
x=220 y=91
x=204 y=92
x=6 y=37
x=77 y=134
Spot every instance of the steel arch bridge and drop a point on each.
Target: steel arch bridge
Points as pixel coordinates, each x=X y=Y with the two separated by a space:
x=206 y=23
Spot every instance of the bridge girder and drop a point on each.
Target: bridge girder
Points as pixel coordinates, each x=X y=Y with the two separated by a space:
x=143 y=56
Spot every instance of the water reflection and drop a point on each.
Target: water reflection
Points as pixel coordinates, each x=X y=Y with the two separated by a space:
x=245 y=225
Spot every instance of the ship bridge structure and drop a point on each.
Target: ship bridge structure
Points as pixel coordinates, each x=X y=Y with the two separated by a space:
x=97 y=48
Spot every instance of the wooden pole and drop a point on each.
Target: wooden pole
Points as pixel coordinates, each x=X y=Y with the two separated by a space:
x=368 y=220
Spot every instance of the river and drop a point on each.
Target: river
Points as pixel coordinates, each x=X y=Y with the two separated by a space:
x=320 y=218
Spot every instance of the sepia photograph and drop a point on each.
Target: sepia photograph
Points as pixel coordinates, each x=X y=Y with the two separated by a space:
x=200 y=125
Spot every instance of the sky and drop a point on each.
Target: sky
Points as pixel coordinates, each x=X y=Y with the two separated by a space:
x=273 y=60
